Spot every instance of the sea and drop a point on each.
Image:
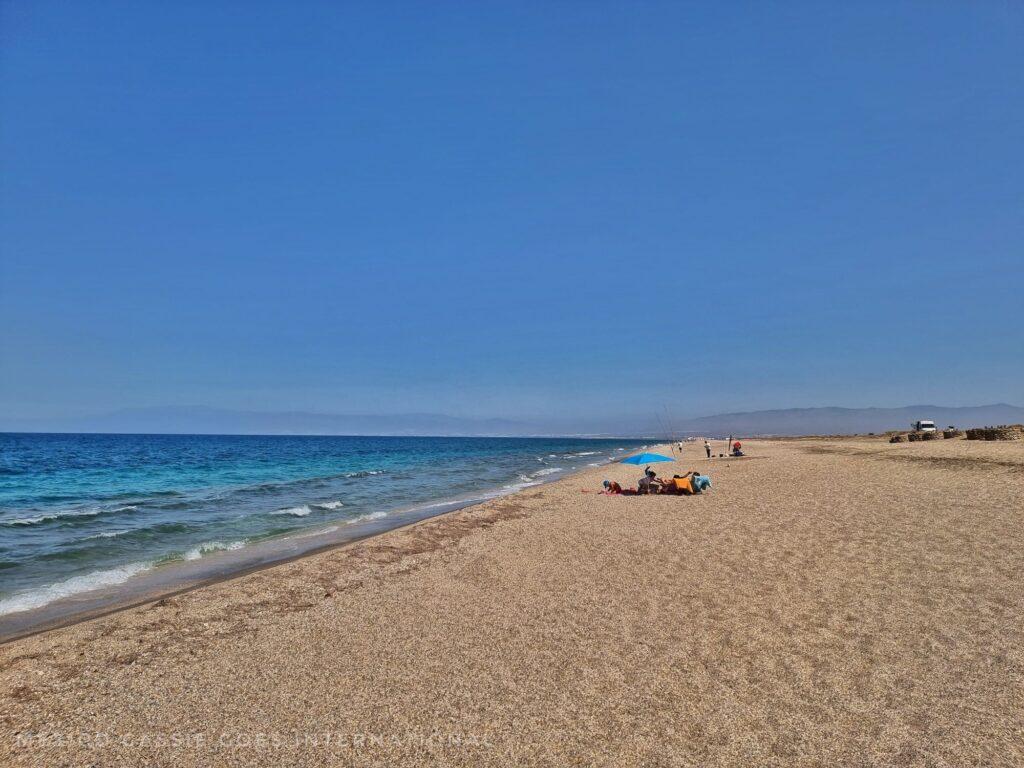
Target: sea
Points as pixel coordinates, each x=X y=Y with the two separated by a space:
x=80 y=513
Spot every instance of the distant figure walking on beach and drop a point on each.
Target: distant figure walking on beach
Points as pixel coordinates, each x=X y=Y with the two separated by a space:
x=707 y=448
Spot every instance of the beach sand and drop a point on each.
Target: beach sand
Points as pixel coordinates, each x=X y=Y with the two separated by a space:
x=830 y=602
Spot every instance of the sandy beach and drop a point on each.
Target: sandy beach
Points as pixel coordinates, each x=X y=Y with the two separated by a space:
x=830 y=602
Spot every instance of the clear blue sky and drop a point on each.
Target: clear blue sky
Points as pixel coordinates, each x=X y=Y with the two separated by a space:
x=510 y=209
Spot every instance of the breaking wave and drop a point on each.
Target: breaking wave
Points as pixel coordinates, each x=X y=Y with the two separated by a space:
x=212 y=546
x=36 y=598
x=301 y=511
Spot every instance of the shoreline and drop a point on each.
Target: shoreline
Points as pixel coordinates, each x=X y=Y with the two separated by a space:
x=173 y=578
x=825 y=603
x=71 y=620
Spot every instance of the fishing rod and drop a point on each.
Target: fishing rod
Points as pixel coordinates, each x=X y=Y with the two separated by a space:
x=662 y=424
x=671 y=426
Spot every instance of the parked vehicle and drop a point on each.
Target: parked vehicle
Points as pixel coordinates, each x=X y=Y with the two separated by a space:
x=923 y=426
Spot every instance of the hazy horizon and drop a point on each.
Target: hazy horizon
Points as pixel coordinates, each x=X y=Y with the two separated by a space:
x=213 y=421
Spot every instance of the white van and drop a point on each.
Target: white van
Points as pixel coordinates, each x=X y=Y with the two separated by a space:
x=923 y=426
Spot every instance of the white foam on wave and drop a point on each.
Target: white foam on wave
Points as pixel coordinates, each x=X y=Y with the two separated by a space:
x=61 y=514
x=532 y=479
x=106 y=534
x=36 y=598
x=300 y=511
x=212 y=546
x=331 y=505
x=318 y=532
x=510 y=488
x=334 y=528
x=595 y=464
x=368 y=516
x=53 y=516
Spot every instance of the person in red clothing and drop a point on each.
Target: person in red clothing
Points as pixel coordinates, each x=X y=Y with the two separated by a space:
x=611 y=488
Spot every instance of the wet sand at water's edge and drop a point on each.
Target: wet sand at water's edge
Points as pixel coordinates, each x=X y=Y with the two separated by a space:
x=830 y=602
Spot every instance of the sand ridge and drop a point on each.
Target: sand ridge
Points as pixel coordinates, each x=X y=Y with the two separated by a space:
x=830 y=602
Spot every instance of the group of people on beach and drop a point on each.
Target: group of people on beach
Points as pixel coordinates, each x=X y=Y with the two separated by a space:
x=733 y=448
x=691 y=483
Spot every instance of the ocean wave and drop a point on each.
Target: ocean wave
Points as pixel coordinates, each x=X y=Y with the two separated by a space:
x=172 y=506
x=368 y=516
x=212 y=546
x=318 y=532
x=307 y=483
x=18 y=521
x=107 y=534
x=147 y=532
x=322 y=531
x=330 y=505
x=67 y=515
x=262 y=489
x=118 y=496
x=36 y=598
x=507 y=489
x=300 y=511
x=532 y=479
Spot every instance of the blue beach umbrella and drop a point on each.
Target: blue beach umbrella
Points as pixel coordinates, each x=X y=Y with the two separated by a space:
x=646 y=458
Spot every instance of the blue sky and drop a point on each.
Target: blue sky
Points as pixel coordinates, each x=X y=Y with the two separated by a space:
x=510 y=209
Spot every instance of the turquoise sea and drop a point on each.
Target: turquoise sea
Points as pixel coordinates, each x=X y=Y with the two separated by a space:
x=82 y=512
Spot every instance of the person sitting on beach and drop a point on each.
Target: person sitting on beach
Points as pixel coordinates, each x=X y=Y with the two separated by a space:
x=692 y=482
x=678 y=486
x=611 y=488
x=649 y=483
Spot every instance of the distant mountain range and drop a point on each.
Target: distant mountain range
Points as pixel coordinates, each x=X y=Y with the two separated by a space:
x=846 y=421
x=791 y=421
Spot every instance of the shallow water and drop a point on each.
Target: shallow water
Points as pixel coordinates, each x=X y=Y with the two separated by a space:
x=80 y=512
